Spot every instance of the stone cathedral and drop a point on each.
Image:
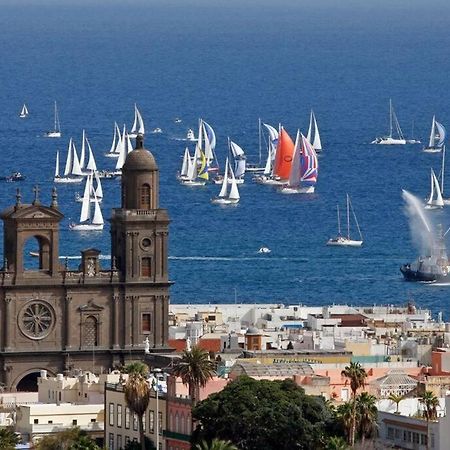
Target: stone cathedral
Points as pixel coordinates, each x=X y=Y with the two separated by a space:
x=58 y=319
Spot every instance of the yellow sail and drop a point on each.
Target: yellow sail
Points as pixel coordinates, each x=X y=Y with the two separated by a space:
x=203 y=170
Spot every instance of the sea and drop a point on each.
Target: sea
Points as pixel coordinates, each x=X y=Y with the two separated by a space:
x=232 y=62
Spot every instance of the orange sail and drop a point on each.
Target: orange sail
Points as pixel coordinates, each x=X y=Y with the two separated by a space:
x=283 y=157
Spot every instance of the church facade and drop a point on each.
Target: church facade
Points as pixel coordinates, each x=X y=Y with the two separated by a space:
x=57 y=319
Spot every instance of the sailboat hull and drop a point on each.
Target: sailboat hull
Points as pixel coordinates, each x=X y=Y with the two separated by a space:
x=224 y=201
x=344 y=242
x=193 y=183
x=112 y=155
x=432 y=149
x=297 y=190
x=86 y=227
x=53 y=134
x=268 y=180
x=434 y=207
x=67 y=180
x=389 y=141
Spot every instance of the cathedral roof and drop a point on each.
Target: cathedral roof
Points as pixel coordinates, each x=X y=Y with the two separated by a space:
x=140 y=158
x=30 y=211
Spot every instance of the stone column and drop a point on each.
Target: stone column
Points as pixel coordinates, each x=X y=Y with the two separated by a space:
x=158 y=319
x=135 y=320
x=116 y=306
x=8 y=324
x=127 y=317
x=69 y=323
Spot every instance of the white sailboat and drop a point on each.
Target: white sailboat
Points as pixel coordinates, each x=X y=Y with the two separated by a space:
x=56 y=132
x=437 y=137
x=435 y=200
x=124 y=147
x=187 y=162
x=313 y=136
x=88 y=222
x=72 y=170
x=346 y=241
x=138 y=124
x=267 y=176
x=113 y=153
x=197 y=173
x=225 y=197
x=24 y=112
x=95 y=191
x=190 y=136
x=256 y=168
x=304 y=168
x=399 y=139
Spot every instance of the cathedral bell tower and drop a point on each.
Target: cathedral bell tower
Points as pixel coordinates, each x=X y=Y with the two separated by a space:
x=139 y=244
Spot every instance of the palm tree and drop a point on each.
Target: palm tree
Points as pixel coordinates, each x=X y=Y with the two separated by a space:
x=430 y=403
x=336 y=443
x=215 y=444
x=344 y=413
x=137 y=394
x=195 y=369
x=357 y=376
x=367 y=414
x=396 y=399
x=8 y=439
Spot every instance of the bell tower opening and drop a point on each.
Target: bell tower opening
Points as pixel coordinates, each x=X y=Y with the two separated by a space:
x=145 y=196
x=36 y=254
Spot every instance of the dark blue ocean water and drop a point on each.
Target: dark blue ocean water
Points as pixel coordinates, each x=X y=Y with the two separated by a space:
x=231 y=62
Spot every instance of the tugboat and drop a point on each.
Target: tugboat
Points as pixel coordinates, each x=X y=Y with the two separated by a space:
x=431 y=268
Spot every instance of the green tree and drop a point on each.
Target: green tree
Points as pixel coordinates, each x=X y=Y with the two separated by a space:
x=367 y=415
x=195 y=369
x=137 y=394
x=357 y=376
x=344 y=413
x=71 y=439
x=215 y=444
x=336 y=443
x=430 y=403
x=263 y=414
x=8 y=439
x=396 y=399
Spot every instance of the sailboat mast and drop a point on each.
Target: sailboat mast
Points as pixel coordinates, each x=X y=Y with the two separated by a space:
x=390 y=118
x=339 y=220
x=259 y=141
x=443 y=170
x=348 y=219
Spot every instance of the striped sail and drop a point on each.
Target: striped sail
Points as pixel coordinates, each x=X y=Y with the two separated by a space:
x=309 y=163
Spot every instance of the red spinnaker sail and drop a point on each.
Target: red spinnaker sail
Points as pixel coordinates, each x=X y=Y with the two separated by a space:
x=283 y=157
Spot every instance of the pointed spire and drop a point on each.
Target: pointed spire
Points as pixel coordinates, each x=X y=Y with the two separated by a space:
x=54 y=203
x=18 y=198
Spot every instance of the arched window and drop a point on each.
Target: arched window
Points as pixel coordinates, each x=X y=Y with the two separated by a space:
x=90 y=332
x=145 y=196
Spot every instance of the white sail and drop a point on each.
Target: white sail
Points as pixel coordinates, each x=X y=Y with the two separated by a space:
x=86 y=204
x=122 y=151
x=236 y=150
x=113 y=145
x=308 y=136
x=294 y=175
x=268 y=166
x=83 y=150
x=76 y=167
x=135 y=122
x=98 y=217
x=141 y=127
x=240 y=166
x=223 y=190
x=57 y=165
x=98 y=190
x=186 y=162
x=129 y=145
x=435 y=200
x=234 y=191
x=433 y=133
x=440 y=133
x=210 y=135
x=439 y=200
x=317 y=144
x=68 y=167
x=91 y=165
x=24 y=111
